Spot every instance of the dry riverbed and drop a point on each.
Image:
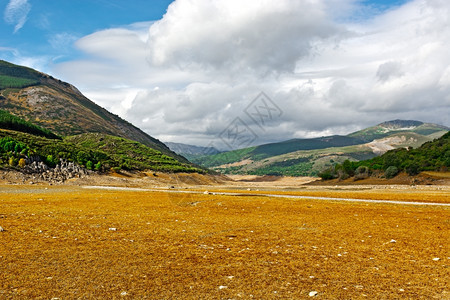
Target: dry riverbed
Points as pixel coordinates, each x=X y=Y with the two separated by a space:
x=73 y=242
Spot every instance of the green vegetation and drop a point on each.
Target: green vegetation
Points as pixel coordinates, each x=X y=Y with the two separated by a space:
x=223 y=158
x=15 y=82
x=93 y=151
x=431 y=156
x=9 y=121
x=13 y=70
x=391 y=172
x=129 y=155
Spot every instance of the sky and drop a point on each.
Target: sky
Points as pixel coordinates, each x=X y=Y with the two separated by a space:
x=233 y=73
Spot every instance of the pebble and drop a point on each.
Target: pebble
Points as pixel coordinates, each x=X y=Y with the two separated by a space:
x=222 y=287
x=112 y=229
x=1 y=229
x=123 y=294
x=206 y=192
x=313 y=293
x=436 y=258
x=393 y=241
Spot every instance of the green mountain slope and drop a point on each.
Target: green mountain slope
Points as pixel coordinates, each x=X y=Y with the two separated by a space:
x=431 y=156
x=308 y=157
x=9 y=121
x=59 y=107
x=91 y=150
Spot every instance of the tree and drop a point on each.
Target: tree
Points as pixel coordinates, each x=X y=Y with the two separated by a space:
x=391 y=172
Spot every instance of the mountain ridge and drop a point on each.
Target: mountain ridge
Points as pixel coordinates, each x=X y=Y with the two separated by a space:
x=60 y=107
x=306 y=157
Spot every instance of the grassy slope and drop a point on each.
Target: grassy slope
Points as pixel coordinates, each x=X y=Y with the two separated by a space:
x=110 y=151
x=130 y=154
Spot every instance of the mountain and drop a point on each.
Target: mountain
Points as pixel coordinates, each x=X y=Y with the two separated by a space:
x=308 y=157
x=59 y=107
x=189 y=151
x=431 y=156
x=397 y=126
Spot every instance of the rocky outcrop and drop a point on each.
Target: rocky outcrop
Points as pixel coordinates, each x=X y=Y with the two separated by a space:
x=62 y=172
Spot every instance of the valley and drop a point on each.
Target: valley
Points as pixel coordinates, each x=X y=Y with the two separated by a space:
x=78 y=242
x=92 y=207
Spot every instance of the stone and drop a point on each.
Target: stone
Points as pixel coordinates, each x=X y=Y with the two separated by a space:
x=1 y=229
x=313 y=293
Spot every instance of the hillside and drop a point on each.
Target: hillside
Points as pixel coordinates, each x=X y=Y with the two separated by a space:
x=59 y=107
x=308 y=157
x=431 y=156
x=397 y=126
x=93 y=151
x=191 y=151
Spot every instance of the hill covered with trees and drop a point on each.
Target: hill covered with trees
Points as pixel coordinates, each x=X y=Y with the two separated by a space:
x=431 y=156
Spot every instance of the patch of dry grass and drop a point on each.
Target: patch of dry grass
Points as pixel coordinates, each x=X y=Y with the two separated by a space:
x=59 y=242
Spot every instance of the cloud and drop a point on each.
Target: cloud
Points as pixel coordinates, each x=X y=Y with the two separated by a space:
x=62 y=41
x=16 y=13
x=186 y=77
x=260 y=36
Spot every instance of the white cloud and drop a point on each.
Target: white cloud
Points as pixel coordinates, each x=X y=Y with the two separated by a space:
x=16 y=13
x=185 y=77
x=62 y=41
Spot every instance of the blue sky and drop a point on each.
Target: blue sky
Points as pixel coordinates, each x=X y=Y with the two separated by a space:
x=51 y=27
x=184 y=70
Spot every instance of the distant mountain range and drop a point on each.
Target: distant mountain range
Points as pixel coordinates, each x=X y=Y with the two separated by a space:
x=308 y=157
x=190 y=151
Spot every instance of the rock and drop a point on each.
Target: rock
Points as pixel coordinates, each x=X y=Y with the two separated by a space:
x=393 y=241
x=313 y=293
x=112 y=229
x=435 y=259
x=1 y=229
x=222 y=287
x=123 y=293
x=206 y=192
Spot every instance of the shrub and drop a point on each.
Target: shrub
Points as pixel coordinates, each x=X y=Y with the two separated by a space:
x=327 y=174
x=22 y=163
x=12 y=161
x=361 y=172
x=98 y=166
x=391 y=172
